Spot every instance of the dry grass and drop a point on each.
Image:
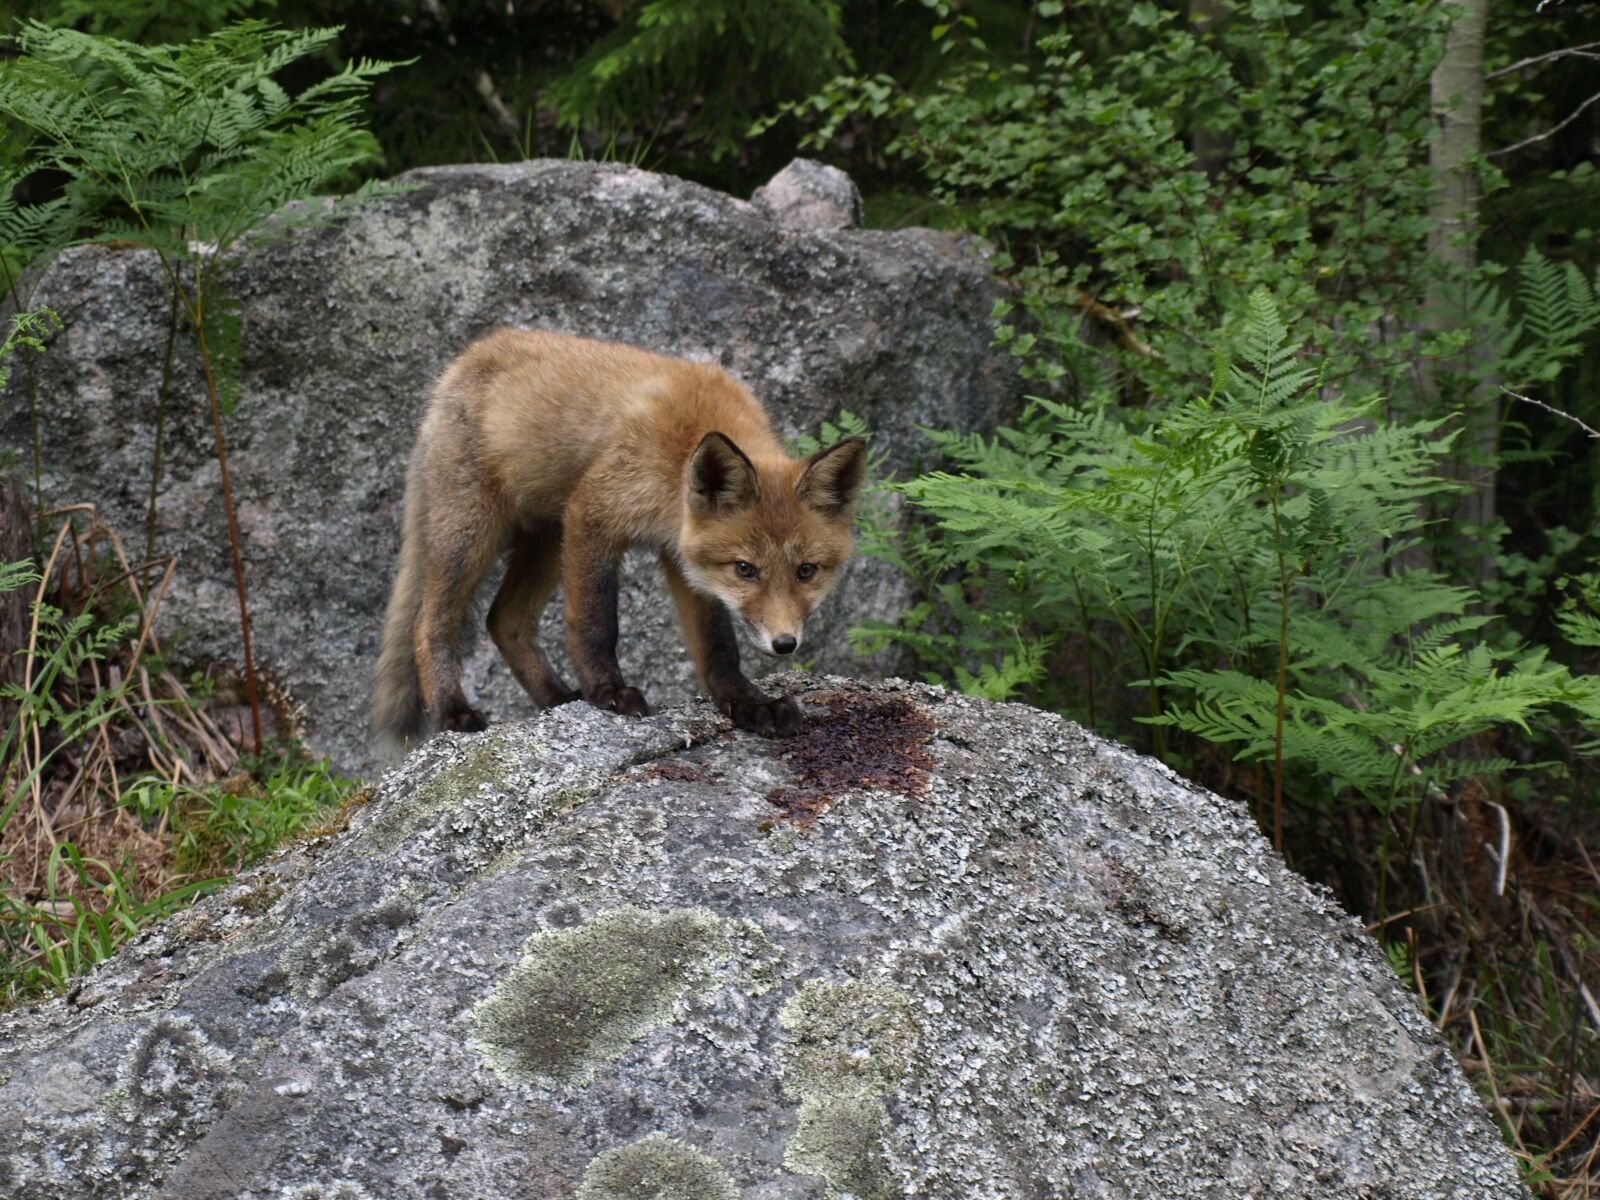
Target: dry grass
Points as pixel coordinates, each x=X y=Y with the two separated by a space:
x=93 y=712
x=1501 y=958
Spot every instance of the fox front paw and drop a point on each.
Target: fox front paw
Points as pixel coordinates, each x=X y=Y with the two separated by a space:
x=768 y=717
x=630 y=702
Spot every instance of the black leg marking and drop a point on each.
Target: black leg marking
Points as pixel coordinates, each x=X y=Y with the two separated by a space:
x=592 y=639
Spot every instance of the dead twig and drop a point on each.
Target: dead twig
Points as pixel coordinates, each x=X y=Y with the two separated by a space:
x=1120 y=324
x=495 y=103
x=1500 y=1105
x=1548 y=133
x=1550 y=408
x=1582 y=51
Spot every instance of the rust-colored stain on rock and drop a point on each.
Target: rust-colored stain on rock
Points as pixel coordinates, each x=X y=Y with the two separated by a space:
x=864 y=741
x=674 y=771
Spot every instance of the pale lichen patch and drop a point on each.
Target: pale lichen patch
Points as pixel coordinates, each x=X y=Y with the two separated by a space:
x=854 y=1037
x=840 y=1138
x=656 y=1168
x=484 y=765
x=846 y=1045
x=339 y=1189
x=579 y=997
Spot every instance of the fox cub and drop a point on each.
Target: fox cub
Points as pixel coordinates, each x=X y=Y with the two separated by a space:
x=567 y=452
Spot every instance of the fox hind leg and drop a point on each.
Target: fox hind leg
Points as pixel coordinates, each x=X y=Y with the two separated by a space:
x=462 y=543
x=532 y=573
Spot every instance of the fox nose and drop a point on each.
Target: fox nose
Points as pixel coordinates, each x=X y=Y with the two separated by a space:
x=784 y=644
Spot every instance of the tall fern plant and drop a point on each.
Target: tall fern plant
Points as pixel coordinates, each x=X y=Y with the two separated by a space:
x=192 y=151
x=1241 y=562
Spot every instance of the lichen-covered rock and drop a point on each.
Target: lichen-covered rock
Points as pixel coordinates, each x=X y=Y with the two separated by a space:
x=345 y=328
x=589 y=956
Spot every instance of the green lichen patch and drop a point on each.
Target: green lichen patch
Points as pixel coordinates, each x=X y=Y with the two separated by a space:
x=579 y=997
x=484 y=765
x=656 y=1168
x=840 y=1138
x=259 y=899
x=846 y=1045
x=852 y=1038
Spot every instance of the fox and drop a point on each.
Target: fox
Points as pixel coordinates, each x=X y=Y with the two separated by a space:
x=562 y=452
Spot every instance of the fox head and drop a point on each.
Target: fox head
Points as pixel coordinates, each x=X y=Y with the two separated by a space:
x=768 y=540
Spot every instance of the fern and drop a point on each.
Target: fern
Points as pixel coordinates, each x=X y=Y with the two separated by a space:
x=28 y=329
x=1247 y=548
x=1557 y=310
x=187 y=144
x=680 y=48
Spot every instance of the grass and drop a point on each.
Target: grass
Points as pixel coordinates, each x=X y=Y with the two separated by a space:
x=124 y=794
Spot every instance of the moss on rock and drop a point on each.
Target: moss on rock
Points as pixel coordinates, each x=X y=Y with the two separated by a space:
x=656 y=1168
x=579 y=997
x=846 y=1045
x=484 y=765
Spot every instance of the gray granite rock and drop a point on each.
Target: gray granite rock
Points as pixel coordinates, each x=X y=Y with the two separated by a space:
x=810 y=195
x=346 y=327
x=930 y=947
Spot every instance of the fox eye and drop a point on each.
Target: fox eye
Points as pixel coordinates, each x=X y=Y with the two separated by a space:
x=806 y=571
x=745 y=570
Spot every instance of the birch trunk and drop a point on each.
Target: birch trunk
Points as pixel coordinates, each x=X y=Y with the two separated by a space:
x=1456 y=93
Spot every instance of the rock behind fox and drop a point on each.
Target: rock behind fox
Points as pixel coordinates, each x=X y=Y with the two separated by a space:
x=565 y=452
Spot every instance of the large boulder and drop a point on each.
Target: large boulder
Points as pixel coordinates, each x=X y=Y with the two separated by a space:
x=931 y=946
x=346 y=328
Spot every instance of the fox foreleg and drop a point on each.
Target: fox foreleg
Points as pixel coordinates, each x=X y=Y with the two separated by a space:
x=714 y=647
x=590 y=570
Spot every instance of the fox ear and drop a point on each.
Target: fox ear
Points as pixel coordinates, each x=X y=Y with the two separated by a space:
x=833 y=477
x=721 y=479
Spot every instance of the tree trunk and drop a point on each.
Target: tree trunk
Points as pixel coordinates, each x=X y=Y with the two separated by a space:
x=1456 y=93
x=1211 y=149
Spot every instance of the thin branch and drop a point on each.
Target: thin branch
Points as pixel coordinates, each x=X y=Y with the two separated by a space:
x=1581 y=51
x=1539 y=137
x=495 y=103
x=1503 y=855
x=1501 y=1108
x=1594 y=433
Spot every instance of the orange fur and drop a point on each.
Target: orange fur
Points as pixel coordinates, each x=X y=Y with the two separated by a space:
x=568 y=451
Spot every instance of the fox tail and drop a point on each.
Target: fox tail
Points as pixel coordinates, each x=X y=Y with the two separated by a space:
x=398 y=715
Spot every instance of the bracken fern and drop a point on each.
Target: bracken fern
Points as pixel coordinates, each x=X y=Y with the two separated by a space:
x=1249 y=550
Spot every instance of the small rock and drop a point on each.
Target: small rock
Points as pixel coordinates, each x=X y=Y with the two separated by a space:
x=810 y=195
